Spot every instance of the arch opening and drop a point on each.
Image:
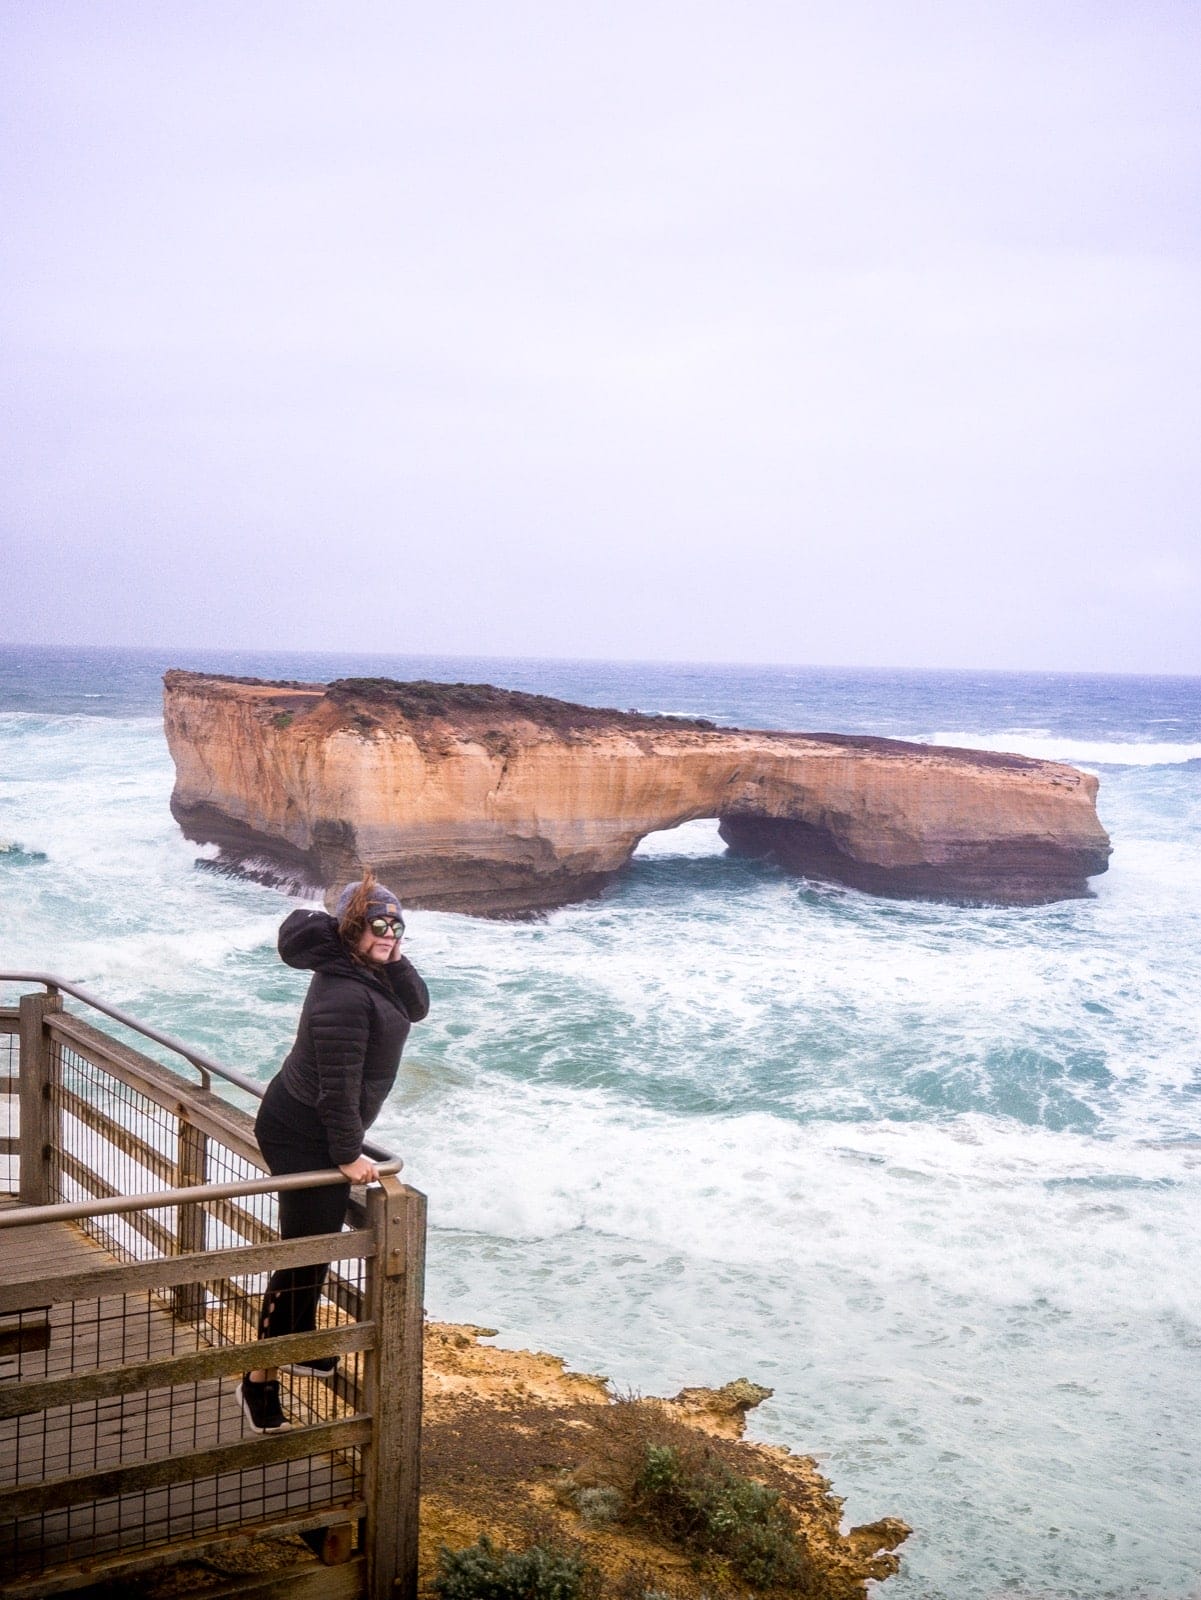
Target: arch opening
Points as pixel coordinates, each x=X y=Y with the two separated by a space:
x=689 y=840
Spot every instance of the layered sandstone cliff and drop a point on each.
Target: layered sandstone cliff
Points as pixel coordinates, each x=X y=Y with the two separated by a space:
x=470 y=798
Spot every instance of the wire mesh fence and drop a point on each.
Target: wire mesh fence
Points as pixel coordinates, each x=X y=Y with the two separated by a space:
x=120 y=1424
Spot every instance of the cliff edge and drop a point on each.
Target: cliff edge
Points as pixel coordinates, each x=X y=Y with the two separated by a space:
x=516 y=1447
x=470 y=798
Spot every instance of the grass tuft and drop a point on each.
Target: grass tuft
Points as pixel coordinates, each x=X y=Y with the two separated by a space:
x=481 y=1572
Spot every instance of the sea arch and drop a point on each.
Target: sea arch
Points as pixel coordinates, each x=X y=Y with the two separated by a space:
x=470 y=798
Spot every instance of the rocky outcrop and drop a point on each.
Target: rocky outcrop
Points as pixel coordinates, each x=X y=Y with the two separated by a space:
x=517 y=1447
x=471 y=798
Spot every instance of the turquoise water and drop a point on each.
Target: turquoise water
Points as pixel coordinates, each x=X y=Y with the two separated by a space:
x=931 y=1173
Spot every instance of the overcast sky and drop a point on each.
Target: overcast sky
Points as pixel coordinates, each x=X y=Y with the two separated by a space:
x=846 y=333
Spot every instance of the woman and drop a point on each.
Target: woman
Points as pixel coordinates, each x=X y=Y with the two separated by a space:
x=362 y=999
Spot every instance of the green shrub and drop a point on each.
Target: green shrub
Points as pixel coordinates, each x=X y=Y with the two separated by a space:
x=283 y=719
x=480 y=1572
x=600 y=1504
x=697 y=1501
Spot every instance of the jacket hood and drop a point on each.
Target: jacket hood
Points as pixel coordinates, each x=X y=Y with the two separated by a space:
x=310 y=940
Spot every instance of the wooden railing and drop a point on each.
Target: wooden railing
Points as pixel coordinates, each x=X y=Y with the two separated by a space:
x=132 y=1270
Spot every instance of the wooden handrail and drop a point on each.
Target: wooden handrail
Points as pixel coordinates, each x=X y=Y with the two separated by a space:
x=133 y=1277
x=197 y=1194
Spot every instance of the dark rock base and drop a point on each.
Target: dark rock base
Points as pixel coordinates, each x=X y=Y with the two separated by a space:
x=1016 y=873
x=472 y=886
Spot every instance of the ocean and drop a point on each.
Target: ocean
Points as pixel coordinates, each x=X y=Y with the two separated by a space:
x=931 y=1173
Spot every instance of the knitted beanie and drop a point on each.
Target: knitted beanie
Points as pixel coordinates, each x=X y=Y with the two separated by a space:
x=381 y=903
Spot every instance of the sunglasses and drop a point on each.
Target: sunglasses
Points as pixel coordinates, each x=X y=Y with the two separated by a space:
x=382 y=926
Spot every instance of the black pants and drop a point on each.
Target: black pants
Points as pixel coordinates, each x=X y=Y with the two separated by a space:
x=292 y=1140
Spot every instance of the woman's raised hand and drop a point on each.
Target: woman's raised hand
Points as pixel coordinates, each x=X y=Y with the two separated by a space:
x=360 y=1170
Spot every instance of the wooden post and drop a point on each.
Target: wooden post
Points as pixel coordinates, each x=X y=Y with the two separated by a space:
x=395 y=1301
x=40 y=1121
x=191 y=1168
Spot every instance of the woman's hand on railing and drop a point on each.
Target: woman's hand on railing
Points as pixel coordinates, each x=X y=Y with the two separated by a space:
x=360 y=1170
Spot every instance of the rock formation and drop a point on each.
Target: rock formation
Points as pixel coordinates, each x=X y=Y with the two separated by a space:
x=516 y=1447
x=470 y=798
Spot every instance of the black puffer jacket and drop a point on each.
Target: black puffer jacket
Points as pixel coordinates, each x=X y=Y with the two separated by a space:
x=353 y=1027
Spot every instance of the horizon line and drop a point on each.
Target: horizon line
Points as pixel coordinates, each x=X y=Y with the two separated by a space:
x=599 y=660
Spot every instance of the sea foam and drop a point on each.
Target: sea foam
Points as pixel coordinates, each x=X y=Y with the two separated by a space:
x=1046 y=746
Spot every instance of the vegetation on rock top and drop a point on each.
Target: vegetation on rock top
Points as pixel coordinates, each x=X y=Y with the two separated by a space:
x=642 y=1503
x=361 y=700
x=423 y=699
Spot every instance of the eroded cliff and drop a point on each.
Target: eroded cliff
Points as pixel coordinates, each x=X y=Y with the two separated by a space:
x=471 y=798
x=517 y=1447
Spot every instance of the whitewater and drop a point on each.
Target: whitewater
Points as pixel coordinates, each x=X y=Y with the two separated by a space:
x=931 y=1173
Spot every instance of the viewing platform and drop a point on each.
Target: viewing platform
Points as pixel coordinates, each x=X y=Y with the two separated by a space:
x=138 y=1228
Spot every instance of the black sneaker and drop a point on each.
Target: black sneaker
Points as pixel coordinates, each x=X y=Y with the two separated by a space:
x=260 y=1404
x=317 y=1366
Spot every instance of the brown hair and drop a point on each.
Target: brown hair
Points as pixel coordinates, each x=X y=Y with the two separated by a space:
x=354 y=918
